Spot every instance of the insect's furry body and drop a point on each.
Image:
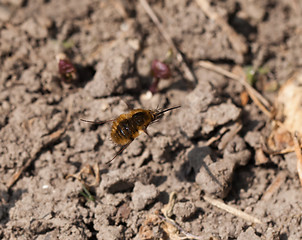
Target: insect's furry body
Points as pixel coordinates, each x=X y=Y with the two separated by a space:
x=128 y=126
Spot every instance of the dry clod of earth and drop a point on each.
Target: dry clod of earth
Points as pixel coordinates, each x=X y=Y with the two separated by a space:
x=249 y=234
x=119 y=180
x=236 y=151
x=215 y=178
x=184 y=210
x=143 y=195
x=114 y=75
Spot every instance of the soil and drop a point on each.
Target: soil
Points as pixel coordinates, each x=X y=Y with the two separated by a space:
x=112 y=45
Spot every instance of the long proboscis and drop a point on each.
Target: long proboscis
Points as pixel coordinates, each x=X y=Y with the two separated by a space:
x=166 y=110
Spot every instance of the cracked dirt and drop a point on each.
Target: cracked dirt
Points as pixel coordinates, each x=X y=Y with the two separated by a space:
x=207 y=147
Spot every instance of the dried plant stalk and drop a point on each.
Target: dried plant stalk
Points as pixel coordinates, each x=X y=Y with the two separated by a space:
x=299 y=156
x=232 y=210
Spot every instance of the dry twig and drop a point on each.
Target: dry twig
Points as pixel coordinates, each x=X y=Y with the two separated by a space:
x=232 y=210
x=299 y=156
x=174 y=231
x=259 y=100
x=236 y=40
x=166 y=36
x=156 y=223
x=274 y=186
x=230 y=135
x=167 y=210
x=170 y=226
x=216 y=137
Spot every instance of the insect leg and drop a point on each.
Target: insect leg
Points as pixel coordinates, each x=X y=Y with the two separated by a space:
x=120 y=151
x=96 y=122
x=145 y=131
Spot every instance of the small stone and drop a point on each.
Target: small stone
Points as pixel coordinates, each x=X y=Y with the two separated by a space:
x=215 y=178
x=86 y=142
x=249 y=234
x=237 y=152
x=214 y=175
x=119 y=180
x=272 y=234
x=110 y=232
x=143 y=195
x=199 y=157
x=201 y=97
x=123 y=212
x=113 y=73
x=194 y=105
x=184 y=210
x=291 y=162
x=146 y=95
x=134 y=43
x=219 y=115
x=253 y=138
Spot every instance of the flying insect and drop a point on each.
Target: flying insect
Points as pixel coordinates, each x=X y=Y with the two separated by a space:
x=129 y=126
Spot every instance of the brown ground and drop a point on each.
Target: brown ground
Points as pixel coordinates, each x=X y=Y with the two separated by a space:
x=112 y=46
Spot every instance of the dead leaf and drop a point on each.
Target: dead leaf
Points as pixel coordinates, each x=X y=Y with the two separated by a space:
x=289 y=105
x=299 y=155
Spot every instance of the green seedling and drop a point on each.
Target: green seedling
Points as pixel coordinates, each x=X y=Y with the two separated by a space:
x=86 y=194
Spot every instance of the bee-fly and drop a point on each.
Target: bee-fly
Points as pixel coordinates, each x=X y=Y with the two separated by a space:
x=128 y=126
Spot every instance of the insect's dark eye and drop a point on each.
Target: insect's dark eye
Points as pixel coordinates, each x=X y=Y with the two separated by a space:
x=139 y=118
